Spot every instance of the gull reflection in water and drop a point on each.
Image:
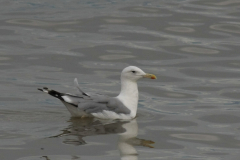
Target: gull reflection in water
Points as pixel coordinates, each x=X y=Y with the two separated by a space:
x=127 y=130
x=128 y=140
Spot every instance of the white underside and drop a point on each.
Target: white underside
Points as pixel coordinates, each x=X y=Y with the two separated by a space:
x=111 y=115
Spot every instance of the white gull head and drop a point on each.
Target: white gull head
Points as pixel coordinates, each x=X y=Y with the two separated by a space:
x=129 y=89
x=132 y=73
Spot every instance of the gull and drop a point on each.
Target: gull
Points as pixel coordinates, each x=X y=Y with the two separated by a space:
x=123 y=106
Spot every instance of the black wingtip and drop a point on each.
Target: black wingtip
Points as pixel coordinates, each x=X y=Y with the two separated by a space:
x=40 y=89
x=55 y=94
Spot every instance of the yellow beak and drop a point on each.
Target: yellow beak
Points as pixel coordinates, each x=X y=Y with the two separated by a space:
x=152 y=76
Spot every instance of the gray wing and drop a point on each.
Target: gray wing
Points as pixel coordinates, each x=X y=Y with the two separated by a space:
x=111 y=104
x=95 y=103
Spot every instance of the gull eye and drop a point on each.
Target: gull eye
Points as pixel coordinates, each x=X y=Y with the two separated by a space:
x=133 y=71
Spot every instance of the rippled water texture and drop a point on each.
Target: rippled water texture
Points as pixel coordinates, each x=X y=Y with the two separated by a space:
x=191 y=112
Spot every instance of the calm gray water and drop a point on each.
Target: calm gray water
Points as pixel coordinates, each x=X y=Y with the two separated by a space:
x=191 y=112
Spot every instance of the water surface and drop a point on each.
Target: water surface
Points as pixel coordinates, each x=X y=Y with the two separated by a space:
x=190 y=112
